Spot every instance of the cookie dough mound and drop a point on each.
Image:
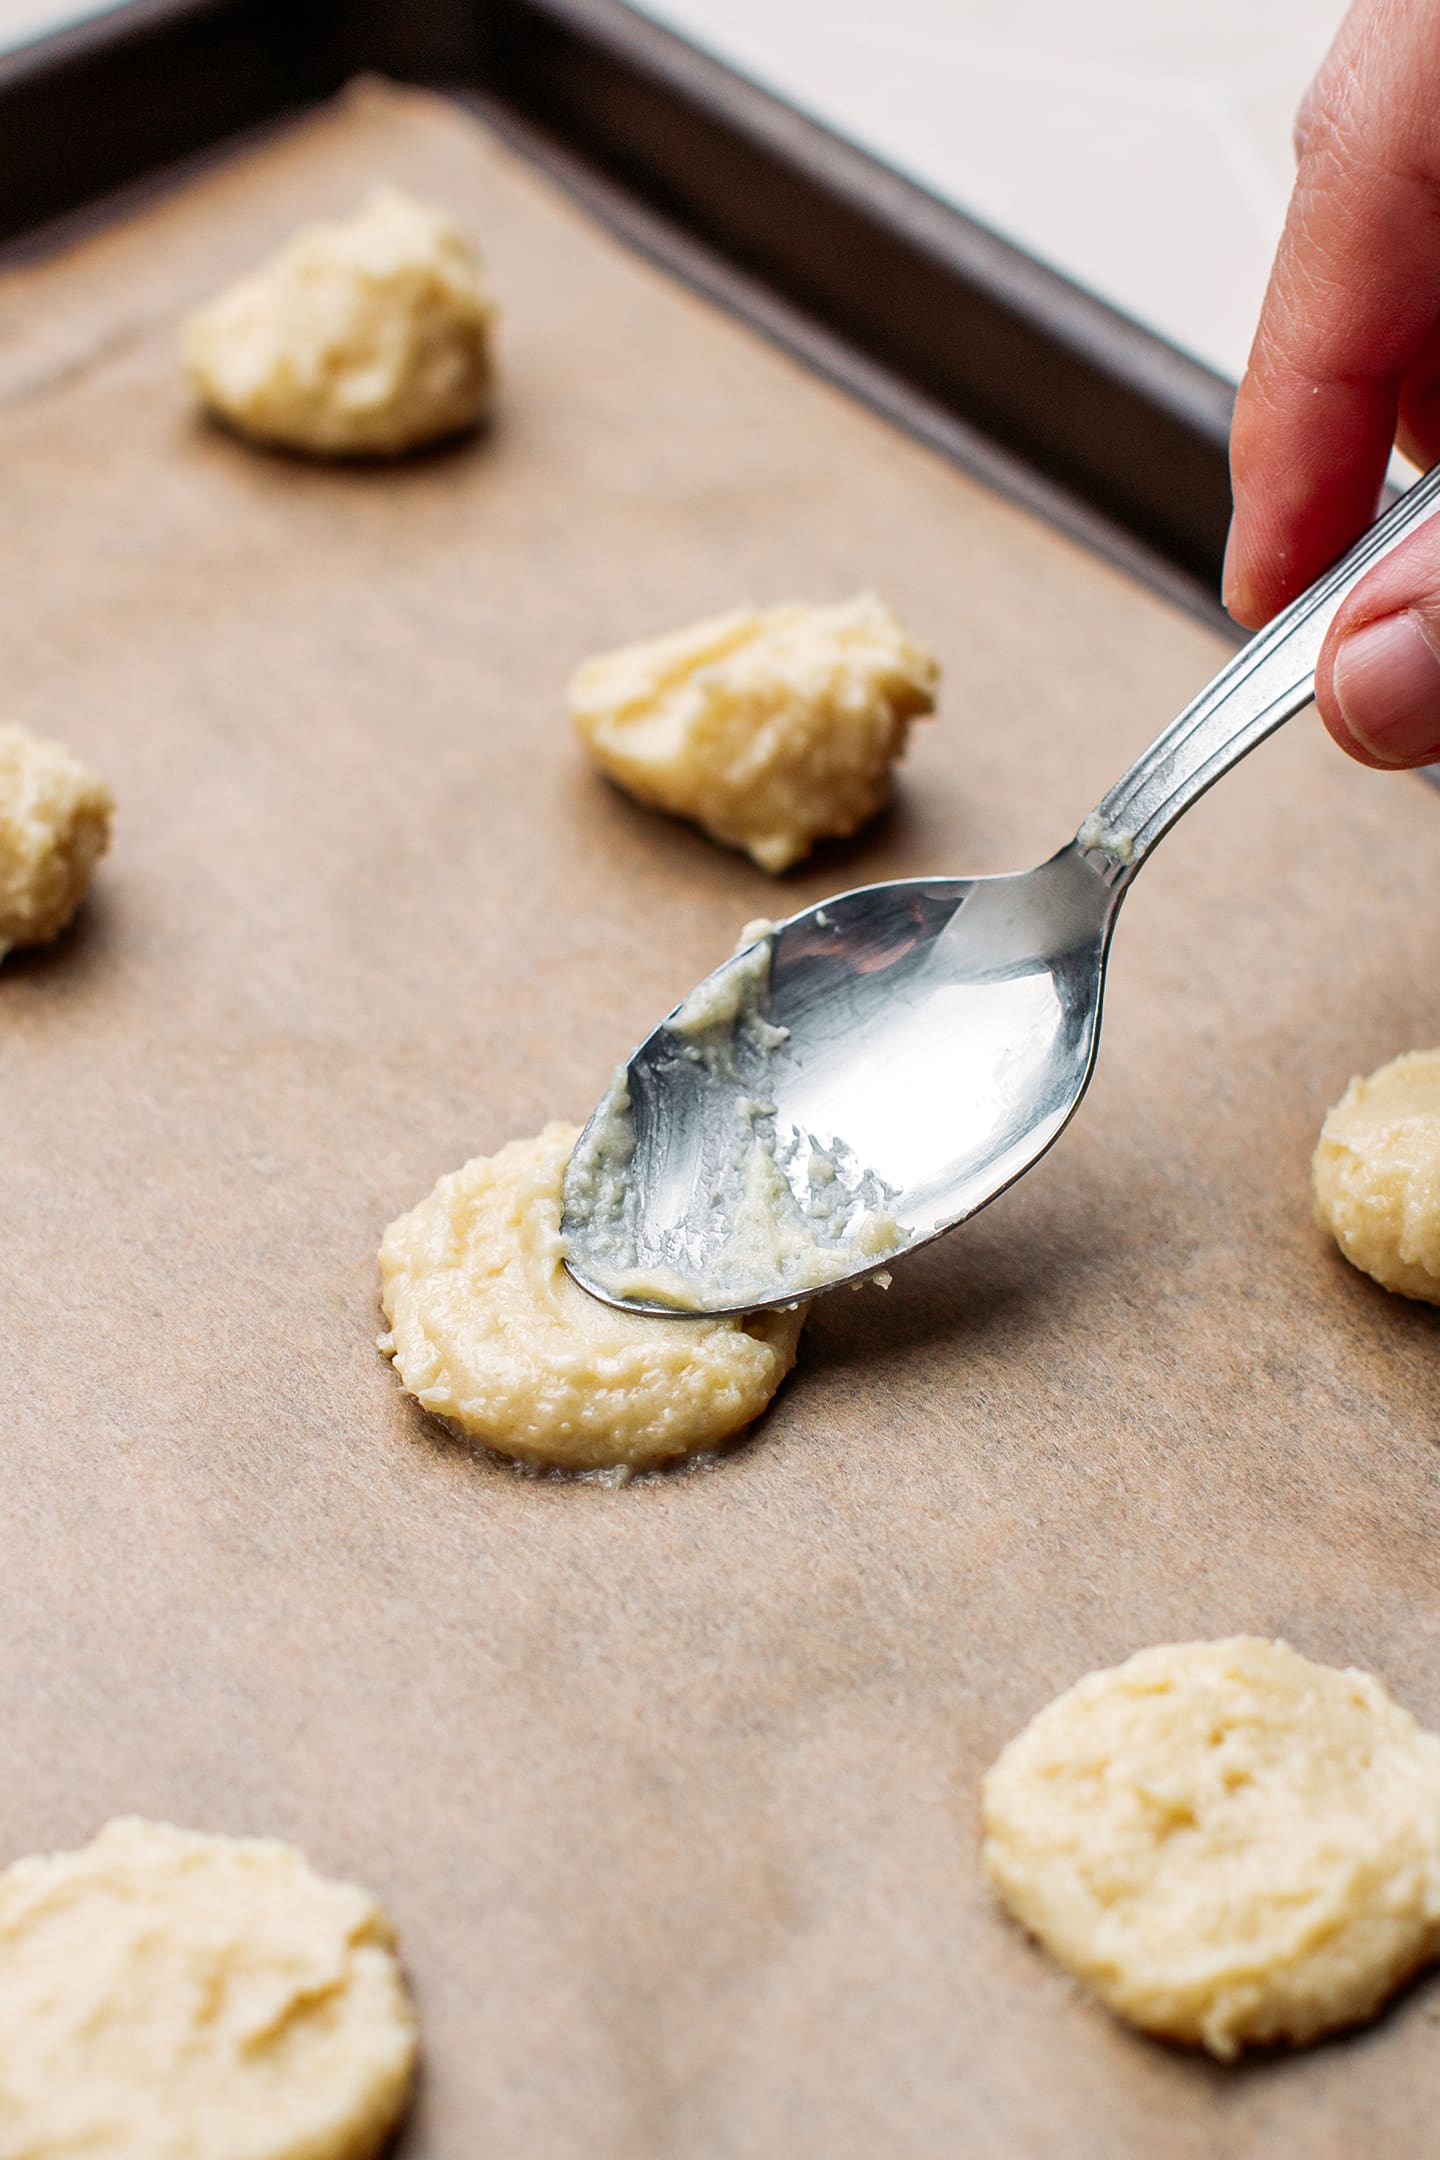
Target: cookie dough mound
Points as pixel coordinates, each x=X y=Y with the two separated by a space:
x=1376 y=1175
x=489 y=1331
x=772 y=730
x=54 y=826
x=361 y=338
x=1229 y=1844
x=168 y=1996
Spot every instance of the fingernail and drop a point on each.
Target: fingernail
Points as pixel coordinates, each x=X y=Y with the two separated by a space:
x=1229 y=584
x=1235 y=594
x=1386 y=680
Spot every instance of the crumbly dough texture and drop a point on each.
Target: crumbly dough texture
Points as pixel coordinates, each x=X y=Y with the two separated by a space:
x=1376 y=1175
x=364 y=337
x=55 y=817
x=773 y=729
x=171 y=1996
x=488 y=1330
x=1229 y=1844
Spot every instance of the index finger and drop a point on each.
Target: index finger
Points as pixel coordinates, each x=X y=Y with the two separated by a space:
x=1352 y=300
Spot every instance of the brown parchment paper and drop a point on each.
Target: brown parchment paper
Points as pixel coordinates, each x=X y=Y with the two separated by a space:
x=671 y=1790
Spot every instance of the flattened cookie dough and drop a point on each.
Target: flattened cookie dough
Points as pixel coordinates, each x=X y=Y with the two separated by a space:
x=170 y=1996
x=1229 y=1844
x=772 y=729
x=488 y=1330
x=1376 y=1175
x=364 y=337
x=55 y=817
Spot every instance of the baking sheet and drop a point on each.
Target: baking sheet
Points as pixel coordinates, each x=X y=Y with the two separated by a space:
x=670 y=1789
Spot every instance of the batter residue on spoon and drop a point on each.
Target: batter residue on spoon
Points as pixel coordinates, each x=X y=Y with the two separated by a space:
x=772 y=1213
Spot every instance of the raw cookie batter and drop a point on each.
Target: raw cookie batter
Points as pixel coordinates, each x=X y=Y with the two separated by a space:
x=772 y=729
x=54 y=826
x=1376 y=1175
x=169 y=1996
x=364 y=337
x=489 y=1331
x=1231 y=1845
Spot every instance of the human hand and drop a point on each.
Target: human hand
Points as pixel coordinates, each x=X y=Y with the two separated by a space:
x=1346 y=361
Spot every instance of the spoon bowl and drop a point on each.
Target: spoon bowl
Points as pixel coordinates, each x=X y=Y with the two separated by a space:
x=939 y=1034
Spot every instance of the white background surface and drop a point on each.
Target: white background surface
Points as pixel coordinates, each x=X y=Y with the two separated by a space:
x=22 y=19
x=1141 y=145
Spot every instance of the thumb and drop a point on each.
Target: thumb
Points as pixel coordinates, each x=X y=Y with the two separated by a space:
x=1377 y=681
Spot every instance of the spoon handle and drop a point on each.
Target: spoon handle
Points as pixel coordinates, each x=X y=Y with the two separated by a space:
x=1266 y=683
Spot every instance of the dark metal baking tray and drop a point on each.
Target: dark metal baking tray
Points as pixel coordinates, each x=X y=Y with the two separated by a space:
x=960 y=337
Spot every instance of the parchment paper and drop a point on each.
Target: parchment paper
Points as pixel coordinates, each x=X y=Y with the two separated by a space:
x=671 y=1790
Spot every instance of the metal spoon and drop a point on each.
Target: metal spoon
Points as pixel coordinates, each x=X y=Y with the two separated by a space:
x=938 y=1032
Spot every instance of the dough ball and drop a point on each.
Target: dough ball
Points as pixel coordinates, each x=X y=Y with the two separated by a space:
x=168 y=1996
x=1229 y=1844
x=361 y=338
x=1376 y=1175
x=772 y=729
x=489 y=1331
x=54 y=827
